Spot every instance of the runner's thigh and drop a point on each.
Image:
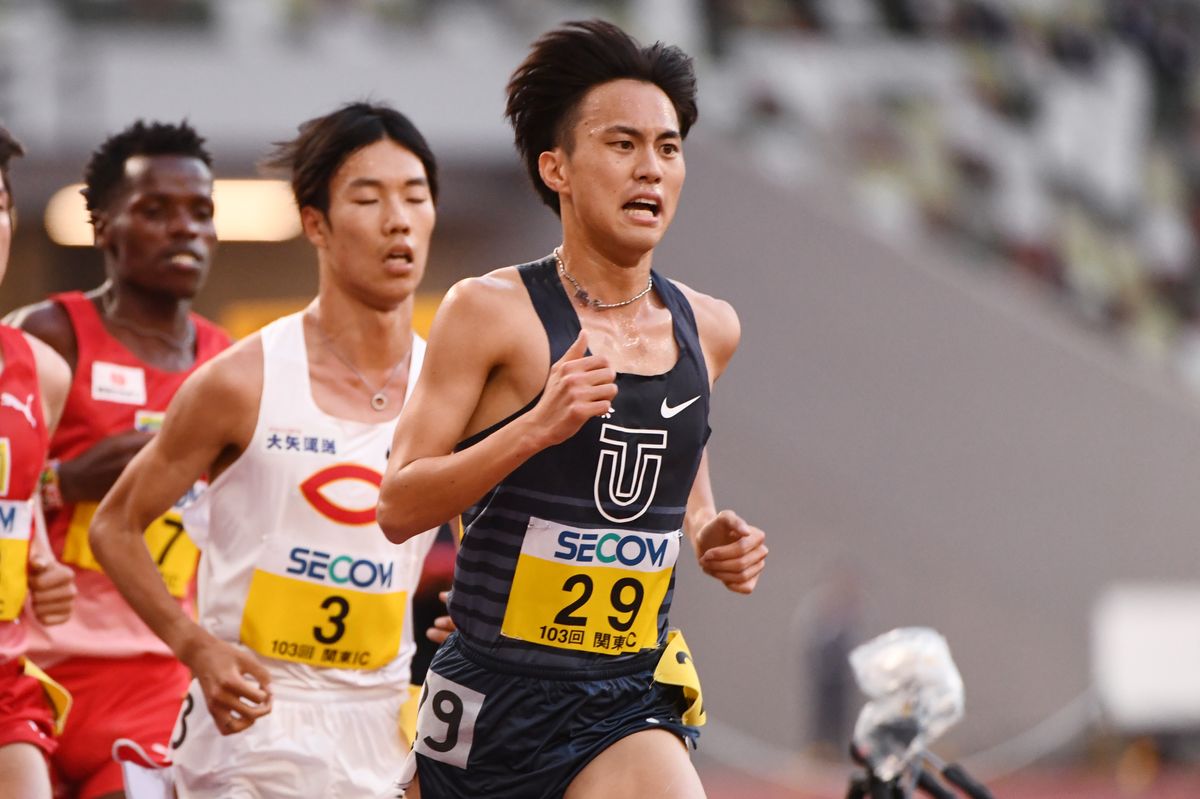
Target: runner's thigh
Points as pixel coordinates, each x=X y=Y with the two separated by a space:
x=647 y=763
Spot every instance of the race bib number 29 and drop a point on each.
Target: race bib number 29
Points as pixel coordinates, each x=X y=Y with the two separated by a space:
x=590 y=590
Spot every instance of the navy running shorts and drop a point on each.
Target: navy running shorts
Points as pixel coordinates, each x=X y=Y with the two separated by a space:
x=491 y=728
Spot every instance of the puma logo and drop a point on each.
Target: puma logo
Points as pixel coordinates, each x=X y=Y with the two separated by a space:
x=9 y=401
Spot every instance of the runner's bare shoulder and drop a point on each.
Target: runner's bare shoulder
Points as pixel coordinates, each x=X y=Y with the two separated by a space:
x=487 y=311
x=719 y=327
x=225 y=391
x=54 y=376
x=48 y=321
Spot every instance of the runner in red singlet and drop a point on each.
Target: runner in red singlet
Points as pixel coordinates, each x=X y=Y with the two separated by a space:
x=33 y=386
x=130 y=343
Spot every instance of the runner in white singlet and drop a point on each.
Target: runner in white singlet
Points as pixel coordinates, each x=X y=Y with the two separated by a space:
x=302 y=653
x=295 y=571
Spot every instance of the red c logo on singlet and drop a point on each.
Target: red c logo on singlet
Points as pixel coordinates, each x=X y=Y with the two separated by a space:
x=311 y=489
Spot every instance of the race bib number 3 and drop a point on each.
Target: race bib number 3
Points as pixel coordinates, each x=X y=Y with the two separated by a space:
x=16 y=524
x=322 y=625
x=590 y=590
x=173 y=552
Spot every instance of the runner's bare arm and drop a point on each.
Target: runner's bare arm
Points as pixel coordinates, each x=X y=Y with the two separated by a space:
x=701 y=507
x=212 y=415
x=48 y=321
x=472 y=339
x=719 y=328
x=417 y=493
x=728 y=548
x=191 y=438
x=51 y=584
x=54 y=379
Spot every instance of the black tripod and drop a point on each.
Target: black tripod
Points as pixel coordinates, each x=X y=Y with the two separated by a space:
x=925 y=774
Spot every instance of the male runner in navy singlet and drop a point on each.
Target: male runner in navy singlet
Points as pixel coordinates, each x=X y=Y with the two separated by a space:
x=563 y=412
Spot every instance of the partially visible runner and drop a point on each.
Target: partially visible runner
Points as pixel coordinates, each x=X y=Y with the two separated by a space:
x=130 y=344
x=33 y=387
x=564 y=413
x=305 y=608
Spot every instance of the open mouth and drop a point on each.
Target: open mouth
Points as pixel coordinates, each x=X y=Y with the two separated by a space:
x=399 y=255
x=185 y=260
x=643 y=209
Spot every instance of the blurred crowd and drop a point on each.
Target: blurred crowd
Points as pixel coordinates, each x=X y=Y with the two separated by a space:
x=1057 y=137
x=1052 y=136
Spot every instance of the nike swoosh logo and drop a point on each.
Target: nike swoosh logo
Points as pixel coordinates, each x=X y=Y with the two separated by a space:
x=668 y=411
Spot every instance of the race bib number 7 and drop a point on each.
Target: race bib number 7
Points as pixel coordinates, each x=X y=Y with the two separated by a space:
x=173 y=552
x=590 y=590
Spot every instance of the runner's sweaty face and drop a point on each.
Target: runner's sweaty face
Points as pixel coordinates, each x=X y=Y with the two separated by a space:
x=157 y=233
x=625 y=168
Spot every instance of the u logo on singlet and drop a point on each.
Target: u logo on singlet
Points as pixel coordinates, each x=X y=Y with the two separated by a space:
x=627 y=473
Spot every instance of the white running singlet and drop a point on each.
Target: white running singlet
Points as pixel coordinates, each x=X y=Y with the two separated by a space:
x=294 y=565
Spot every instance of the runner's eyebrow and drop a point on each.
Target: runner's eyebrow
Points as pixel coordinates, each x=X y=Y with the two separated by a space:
x=668 y=133
x=376 y=183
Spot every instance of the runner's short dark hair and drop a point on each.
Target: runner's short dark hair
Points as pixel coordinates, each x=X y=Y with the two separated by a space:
x=106 y=169
x=10 y=148
x=563 y=65
x=324 y=144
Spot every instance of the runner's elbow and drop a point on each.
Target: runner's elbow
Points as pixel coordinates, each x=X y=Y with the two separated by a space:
x=397 y=524
x=110 y=530
x=100 y=537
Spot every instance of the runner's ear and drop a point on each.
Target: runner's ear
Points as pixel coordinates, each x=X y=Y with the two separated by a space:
x=315 y=224
x=552 y=169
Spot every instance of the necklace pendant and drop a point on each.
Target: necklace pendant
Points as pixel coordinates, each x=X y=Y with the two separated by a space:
x=586 y=300
x=379 y=400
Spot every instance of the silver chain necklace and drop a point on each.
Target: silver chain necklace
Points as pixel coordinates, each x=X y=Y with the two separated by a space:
x=379 y=398
x=182 y=344
x=587 y=300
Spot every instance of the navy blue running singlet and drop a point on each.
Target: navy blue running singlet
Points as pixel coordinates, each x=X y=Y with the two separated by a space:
x=569 y=561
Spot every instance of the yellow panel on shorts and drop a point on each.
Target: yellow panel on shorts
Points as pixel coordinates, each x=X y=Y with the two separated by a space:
x=14 y=580
x=322 y=626
x=675 y=667
x=175 y=555
x=59 y=697
x=569 y=606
